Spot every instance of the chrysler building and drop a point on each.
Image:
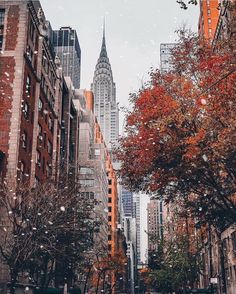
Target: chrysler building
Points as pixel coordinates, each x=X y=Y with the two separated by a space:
x=104 y=89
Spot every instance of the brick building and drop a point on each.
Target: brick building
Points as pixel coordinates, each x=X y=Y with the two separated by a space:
x=30 y=93
x=209 y=15
x=219 y=246
x=226 y=26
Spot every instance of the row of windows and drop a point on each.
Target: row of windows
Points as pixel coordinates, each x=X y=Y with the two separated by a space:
x=47 y=92
x=48 y=70
x=86 y=171
x=87 y=183
x=87 y=195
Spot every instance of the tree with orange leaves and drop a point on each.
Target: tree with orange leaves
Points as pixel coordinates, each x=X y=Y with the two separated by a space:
x=180 y=135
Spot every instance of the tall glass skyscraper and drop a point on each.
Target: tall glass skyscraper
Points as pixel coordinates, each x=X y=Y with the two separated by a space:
x=67 y=48
x=127 y=202
x=104 y=89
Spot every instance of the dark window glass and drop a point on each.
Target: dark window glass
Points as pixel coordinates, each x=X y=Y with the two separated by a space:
x=24 y=140
x=2 y=16
x=28 y=84
x=26 y=110
x=38 y=158
x=49 y=147
x=40 y=104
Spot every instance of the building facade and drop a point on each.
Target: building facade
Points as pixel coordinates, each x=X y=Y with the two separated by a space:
x=127 y=202
x=155 y=223
x=104 y=89
x=165 y=56
x=208 y=19
x=67 y=48
x=226 y=26
x=31 y=90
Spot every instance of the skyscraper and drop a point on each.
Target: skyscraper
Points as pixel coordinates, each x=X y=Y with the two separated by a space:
x=165 y=56
x=67 y=48
x=104 y=89
x=127 y=202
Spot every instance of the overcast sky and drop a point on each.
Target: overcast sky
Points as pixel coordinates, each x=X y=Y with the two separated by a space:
x=134 y=31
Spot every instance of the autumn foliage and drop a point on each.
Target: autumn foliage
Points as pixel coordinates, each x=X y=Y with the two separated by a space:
x=180 y=135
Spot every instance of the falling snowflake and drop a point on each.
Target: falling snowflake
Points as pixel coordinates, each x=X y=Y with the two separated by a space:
x=203 y=101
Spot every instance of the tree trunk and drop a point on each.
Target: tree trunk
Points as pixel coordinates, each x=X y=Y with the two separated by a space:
x=222 y=264
x=98 y=280
x=14 y=275
x=104 y=278
x=86 y=280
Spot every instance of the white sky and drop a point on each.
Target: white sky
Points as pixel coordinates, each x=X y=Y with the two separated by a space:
x=134 y=31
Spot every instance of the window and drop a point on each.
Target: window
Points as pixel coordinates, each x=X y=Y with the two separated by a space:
x=91 y=195
x=86 y=171
x=36 y=181
x=26 y=110
x=208 y=11
x=233 y=238
x=29 y=53
x=109 y=191
x=38 y=159
x=109 y=218
x=109 y=182
x=87 y=183
x=109 y=209
x=40 y=104
x=44 y=139
x=2 y=16
x=28 y=84
x=22 y=169
x=109 y=237
x=50 y=123
x=49 y=169
x=31 y=30
x=209 y=20
x=109 y=200
x=43 y=164
x=40 y=132
x=97 y=152
x=49 y=147
x=24 y=140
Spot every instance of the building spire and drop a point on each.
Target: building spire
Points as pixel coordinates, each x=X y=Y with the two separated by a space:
x=103 y=52
x=104 y=27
